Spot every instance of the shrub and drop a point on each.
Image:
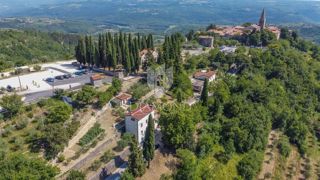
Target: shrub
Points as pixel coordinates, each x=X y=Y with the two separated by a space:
x=119 y=112
x=17 y=143
x=138 y=90
x=124 y=142
x=76 y=175
x=267 y=175
x=249 y=166
x=59 y=112
x=95 y=165
x=7 y=131
x=107 y=156
x=284 y=146
x=37 y=67
x=21 y=124
x=30 y=115
x=61 y=158
x=104 y=98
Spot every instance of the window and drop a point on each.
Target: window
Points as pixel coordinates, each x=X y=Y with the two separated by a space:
x=142 y=132
x=141 y=125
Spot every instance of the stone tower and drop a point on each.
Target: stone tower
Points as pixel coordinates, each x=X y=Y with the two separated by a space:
x=263 y=19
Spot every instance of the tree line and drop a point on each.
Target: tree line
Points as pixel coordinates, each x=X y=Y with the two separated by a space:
x=111 y=50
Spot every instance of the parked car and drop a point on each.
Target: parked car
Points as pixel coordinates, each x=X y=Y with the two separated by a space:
x=10 y=88
x=59 y=77
x=67 y=76
x=78 y=73
x=49 y=80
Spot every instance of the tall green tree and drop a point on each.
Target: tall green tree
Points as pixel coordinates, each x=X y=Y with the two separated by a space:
x=149 y=142
x=136 y=164
x=80 y=51
x=204 y=93
x=178 y=126
x=187 y=165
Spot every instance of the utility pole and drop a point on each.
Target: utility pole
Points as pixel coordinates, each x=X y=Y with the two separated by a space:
x=52 y=83
x=19 y=78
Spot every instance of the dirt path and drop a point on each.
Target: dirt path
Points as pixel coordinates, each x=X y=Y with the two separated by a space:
x=111 y=136
x=293 y=165
x=270 y=156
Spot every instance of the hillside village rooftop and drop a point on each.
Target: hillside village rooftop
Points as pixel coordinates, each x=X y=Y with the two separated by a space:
x=141 y=112
x=230 y=31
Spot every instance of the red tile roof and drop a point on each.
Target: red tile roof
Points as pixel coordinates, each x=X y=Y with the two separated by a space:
x=96 y=77
x=207 y=74
x=124 y=96
x=141 y=112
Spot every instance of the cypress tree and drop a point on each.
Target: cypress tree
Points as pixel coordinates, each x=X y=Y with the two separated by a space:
x=150 y=42
x=114 y=57
x=99 y=60
x=92 y=52
x=97 y=56
x=204 y=94
x=149 y=142
x=81 y=51
x=160 y=59
x=144 y=42
x=127 y=59
x=137 y=55
x=88 y=51
x=139 y=42
x=136 y=164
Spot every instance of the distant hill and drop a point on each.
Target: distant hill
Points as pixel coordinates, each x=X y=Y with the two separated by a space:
x=18 y=48
x=308 y=31
x=159 y=16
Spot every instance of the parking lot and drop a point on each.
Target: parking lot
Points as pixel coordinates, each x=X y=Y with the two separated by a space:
x=41 y=84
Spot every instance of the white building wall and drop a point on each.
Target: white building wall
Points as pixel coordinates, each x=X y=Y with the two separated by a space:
x=138 y=128
x=131 y=126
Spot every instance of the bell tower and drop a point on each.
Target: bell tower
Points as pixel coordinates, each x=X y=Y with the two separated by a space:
x=263 y=19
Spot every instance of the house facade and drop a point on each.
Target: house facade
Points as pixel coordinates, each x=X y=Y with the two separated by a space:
x=122 y=99
x=137 y=121
x=204 y=74
x=206 y=41
x=96 y=80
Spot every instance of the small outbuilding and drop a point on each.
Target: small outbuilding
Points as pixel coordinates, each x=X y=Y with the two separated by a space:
x=96 y=80
x=122 y=99
x=204 y=74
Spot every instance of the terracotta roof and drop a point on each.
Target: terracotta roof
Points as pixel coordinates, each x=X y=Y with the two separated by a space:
x=141 y=112
x=96 y=77
x=207 y=74
x=124 y=96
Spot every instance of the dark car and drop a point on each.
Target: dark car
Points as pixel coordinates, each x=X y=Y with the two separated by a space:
x=78 y=73
x=67 y=76
x=10 y=88
x=85 y=72
x=59 y=77
x=49 y=79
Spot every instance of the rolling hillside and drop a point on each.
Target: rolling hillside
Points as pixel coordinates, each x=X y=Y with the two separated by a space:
x=18 y=48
